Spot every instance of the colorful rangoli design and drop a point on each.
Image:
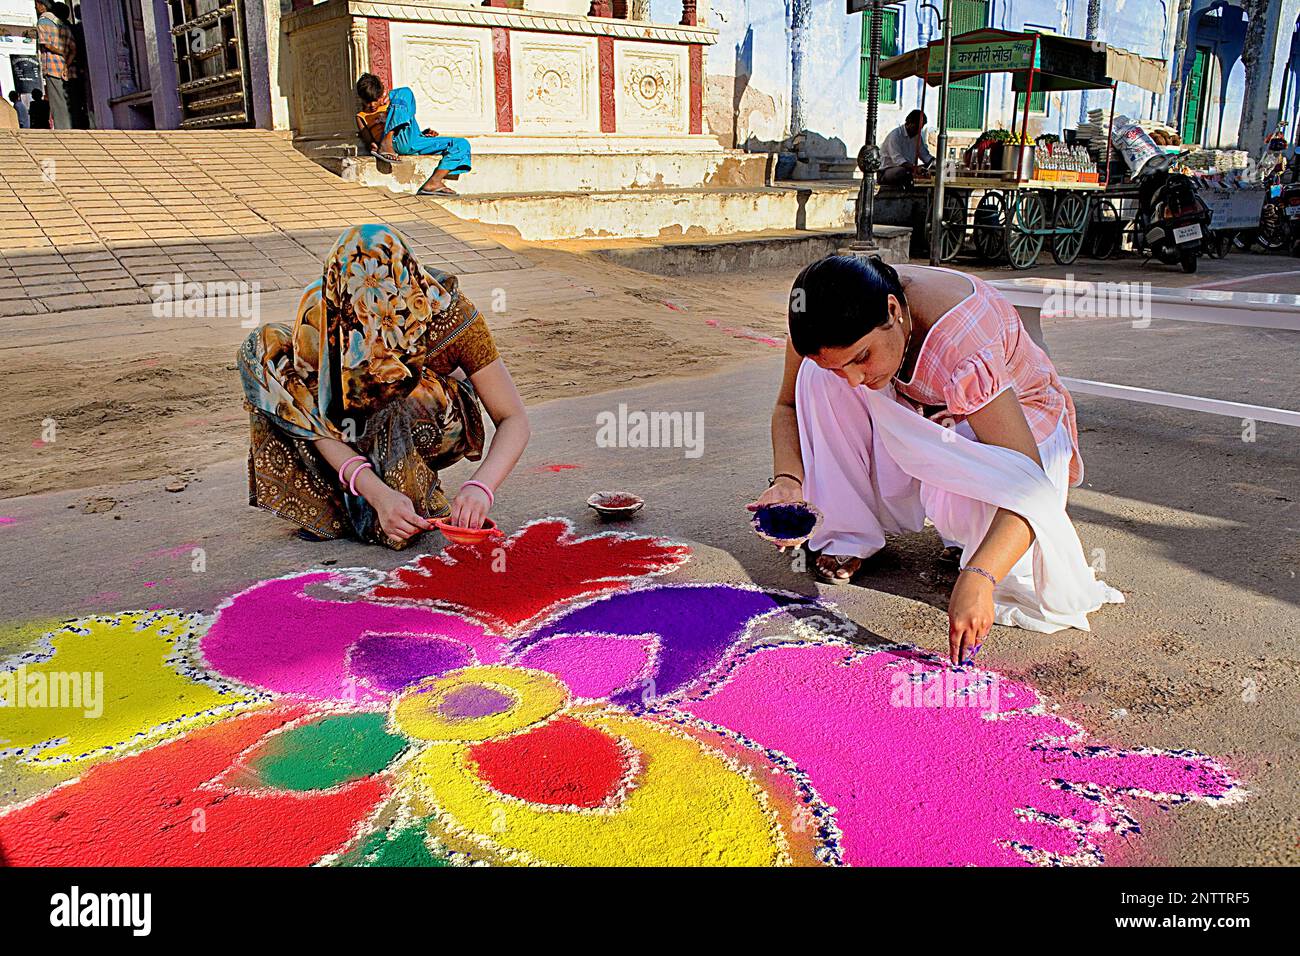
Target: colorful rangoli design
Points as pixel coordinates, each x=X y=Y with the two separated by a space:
x=548 y=700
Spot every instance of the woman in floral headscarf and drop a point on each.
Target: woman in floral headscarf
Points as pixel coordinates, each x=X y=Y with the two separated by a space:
x=373 y=391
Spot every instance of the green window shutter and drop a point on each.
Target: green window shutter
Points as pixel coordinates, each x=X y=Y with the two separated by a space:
x=966 y=97
x=1195 y=101
x=888 y=89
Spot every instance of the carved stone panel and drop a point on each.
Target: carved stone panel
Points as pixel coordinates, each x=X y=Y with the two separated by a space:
x=555 y=83
x=321 y=100
x=651 y=87
x=450 y=70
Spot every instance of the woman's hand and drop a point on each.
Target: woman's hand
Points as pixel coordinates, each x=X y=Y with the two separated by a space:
x=970 y=615
x=397 y=515
x=785 y=491
x=470 y=507
x=430 y=132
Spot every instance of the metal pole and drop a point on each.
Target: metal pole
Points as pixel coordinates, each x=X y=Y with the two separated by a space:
x=940 y=173
x=869 y=156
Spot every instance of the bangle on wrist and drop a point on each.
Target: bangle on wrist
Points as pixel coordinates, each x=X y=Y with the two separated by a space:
x=486 y=490
x=352 y=484
x=343 y=467
x=784 y=474
x=981 y=572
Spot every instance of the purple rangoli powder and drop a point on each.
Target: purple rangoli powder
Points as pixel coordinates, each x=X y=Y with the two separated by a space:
x=695 y=626
x=474 y=700
x=390 y=662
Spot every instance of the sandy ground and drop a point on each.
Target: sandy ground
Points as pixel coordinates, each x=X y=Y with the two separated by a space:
x=1200 y=528
x=125 y=394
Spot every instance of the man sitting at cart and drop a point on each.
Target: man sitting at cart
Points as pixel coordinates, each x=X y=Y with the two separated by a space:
x=901 y=150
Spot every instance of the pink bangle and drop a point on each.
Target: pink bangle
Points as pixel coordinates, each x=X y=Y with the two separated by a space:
x=478 y=484
x=352 y=485
x=343 y=467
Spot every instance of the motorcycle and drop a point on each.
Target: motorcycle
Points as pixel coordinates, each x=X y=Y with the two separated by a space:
x=1172 y=220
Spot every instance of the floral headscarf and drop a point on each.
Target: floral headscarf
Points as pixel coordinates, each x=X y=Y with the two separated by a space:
x=363 y=333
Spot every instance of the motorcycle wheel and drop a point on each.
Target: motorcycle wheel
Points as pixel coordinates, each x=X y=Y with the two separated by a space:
x=1274 y=230
x=1188 y=261
x=1220 y=243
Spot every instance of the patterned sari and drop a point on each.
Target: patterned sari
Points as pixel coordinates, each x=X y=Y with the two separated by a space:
x=356 y=367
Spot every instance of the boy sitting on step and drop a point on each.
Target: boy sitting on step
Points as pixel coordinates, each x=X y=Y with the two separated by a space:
x=387 y=125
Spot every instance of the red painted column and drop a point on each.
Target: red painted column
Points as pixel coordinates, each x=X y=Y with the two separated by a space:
x=501 y=76
x=608 y=119
x=379 y=52
x=697 y=87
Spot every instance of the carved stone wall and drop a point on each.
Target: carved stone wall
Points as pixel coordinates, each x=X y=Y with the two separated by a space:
x=651 y=92
x=450 y=70
x=498 y=70
x=322 y=101
x=555 y=83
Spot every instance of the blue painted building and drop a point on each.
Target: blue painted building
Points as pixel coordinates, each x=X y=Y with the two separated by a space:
x=1236 y=69
x=782 y=66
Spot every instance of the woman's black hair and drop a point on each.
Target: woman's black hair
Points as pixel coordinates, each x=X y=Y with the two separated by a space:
x=837 y=300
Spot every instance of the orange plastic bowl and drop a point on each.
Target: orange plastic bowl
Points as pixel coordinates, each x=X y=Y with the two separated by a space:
x=458 y=535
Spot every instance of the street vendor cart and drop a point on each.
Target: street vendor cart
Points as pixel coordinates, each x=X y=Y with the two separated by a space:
x=1012 y=206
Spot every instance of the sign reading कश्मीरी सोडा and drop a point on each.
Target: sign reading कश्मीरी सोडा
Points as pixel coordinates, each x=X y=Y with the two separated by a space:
x=985 y=55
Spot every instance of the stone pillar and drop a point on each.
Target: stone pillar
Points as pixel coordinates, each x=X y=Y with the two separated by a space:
x=801 y=74
x=1257 y=57
x=1090 y=33
x=1179 y=65
x=639 y=10
x=690 y=15
x=161 y=65
x=358 y=47
x=261 y=40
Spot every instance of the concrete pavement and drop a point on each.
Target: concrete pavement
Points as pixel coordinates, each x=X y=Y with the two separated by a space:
x=1197 y=528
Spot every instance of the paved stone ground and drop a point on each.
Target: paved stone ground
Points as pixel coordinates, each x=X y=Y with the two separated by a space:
x=95 y=218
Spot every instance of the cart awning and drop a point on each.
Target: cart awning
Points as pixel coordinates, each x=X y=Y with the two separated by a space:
x=1059 y=63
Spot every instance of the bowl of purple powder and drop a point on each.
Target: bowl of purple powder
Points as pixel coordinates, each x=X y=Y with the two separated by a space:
x=786 y=525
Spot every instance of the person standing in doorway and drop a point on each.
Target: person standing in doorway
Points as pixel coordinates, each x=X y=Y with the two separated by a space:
x=39 y=112
x=24 y=118
x=58 y=51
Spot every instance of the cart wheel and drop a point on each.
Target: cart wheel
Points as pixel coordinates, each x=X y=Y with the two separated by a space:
x=988 y=231
x=1218 y=243
x=952 y=228
x=1071 y=215
x=1025 y=225
x=1102 y=241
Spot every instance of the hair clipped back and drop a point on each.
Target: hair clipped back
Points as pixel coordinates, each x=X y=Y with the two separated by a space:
x=837 y=300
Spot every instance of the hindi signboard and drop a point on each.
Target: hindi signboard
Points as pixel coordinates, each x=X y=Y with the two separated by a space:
x=984 y=56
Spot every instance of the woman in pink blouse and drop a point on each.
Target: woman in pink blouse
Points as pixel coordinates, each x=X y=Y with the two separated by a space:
x=948 y=347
